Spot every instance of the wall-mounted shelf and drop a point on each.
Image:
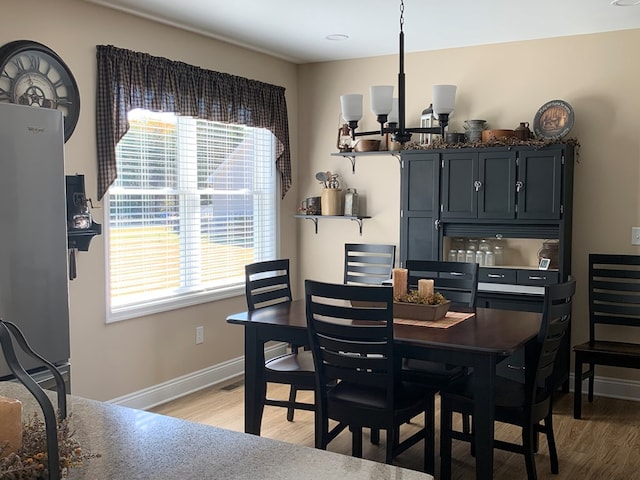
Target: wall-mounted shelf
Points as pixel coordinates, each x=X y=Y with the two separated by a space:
x=352 y=156
x=81 y=238
x=314 y=219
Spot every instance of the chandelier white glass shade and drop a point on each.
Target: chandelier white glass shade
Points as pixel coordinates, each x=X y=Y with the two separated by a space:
x=391 y=111
x=351 y=107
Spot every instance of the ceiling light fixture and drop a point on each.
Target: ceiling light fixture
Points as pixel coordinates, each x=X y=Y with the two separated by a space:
x=337 y=37
x=625 y=3
x=391 y=111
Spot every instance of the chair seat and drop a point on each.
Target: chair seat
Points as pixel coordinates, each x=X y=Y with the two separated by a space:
x=406 y=395
x=610 y=348
x=508 y=393
x=292 y=362
x=435 y=374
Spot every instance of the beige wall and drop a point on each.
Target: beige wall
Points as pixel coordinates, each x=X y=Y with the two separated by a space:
x=116 y=359
x=503 y=84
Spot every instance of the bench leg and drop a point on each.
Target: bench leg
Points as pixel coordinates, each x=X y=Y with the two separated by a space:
x=592 y=376
x=577 y=388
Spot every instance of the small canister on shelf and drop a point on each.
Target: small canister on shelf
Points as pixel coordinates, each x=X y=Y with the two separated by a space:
x=549 y=250
x=351 y=203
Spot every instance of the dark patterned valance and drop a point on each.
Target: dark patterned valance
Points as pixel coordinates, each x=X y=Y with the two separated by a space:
x=129 y=80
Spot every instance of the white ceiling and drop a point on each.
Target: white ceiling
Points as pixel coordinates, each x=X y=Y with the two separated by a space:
x=296 y=30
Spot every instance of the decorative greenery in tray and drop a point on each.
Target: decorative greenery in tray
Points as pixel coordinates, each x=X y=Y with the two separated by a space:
x=30 y=463
x=412 y=296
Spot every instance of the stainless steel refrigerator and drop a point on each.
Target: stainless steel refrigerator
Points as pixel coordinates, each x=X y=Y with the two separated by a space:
x=33 y=233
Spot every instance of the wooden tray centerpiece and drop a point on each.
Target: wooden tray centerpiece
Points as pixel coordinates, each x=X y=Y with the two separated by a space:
x=420 y=307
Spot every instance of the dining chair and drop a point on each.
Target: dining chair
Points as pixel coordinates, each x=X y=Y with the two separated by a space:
x=269 y=283
x=522 y=404
x=458 y=282
x=357 y=373
x=614 y=318
x=368 y=263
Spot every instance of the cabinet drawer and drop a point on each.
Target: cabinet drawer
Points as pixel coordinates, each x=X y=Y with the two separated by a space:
x=537 y=277
x=497 y=275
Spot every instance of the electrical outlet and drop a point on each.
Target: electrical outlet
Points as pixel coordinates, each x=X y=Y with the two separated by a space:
x=199 y=335
x=635 y=235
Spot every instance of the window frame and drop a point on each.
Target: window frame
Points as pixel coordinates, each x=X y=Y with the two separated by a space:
x=197 y=297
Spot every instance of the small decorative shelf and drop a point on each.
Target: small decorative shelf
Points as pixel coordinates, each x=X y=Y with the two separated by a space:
x=352 y=156
x=80 y=238
x=314 y=219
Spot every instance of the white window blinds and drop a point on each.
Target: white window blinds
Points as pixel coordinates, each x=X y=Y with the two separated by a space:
x=193 y=203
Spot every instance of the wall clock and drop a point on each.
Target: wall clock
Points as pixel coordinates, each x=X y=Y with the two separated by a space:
x=33 y=74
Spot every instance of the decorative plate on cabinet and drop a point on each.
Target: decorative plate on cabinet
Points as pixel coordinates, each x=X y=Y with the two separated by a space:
x=554 y=119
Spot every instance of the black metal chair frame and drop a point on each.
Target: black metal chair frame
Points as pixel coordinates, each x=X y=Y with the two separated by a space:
x=524 y=405
x=9 y=330
x=614 y=306
x=368 y=263
x=269 y=283
x=357 y=374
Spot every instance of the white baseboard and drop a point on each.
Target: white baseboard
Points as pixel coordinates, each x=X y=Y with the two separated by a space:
x=612 y=387
x=178 y=387
x=192 y=382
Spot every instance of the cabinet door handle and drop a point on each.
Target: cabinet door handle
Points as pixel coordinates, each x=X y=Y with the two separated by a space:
x=456 y=274
x=477 y=184
x=519 y=185
x=536 y=277
x=515 y=367
x=495 y=275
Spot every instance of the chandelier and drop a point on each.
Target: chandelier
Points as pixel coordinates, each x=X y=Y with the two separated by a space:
x=390 y=111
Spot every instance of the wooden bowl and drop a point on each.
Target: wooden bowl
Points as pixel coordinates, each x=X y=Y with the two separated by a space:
x=493 y=135
x=367 y=145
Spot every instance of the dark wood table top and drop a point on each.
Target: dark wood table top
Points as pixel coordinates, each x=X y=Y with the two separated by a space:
x=498 y=332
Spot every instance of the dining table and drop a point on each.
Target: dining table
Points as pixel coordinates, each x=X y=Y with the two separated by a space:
x=479 y=342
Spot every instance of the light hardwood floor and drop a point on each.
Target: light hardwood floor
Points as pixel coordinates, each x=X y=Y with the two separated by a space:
x=604 y=445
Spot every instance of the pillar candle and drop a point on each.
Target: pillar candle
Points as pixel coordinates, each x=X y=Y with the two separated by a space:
x=425 y=287
x=399 y=276
x=10 y=424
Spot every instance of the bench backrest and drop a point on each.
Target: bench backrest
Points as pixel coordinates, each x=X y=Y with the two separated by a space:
x=614 y=292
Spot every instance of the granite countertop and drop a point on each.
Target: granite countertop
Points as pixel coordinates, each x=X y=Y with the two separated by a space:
x=135 y=444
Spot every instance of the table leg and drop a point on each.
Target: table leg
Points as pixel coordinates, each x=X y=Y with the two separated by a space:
x=254 y=384
x=483 y=415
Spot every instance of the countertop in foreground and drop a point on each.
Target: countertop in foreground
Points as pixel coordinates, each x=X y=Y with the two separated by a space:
x=135 y=444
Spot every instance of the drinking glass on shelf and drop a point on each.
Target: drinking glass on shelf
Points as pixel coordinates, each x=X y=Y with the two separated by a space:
x=453 y=255
x=498 y=252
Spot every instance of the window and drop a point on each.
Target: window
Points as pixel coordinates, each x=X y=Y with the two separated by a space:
x=194 y=201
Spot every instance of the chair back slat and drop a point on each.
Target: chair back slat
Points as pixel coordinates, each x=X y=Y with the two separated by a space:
x=614 y=292
x=368 y=263
x=267 y=283
x=350 y=331
x=457 y=281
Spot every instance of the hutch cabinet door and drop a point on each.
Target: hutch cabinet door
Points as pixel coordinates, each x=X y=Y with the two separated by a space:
x=420 y=206
x=459 y=196
x=540 y=180
x=497 y=184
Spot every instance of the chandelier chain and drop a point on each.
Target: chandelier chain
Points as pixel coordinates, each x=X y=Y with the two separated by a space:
x=401 y=15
